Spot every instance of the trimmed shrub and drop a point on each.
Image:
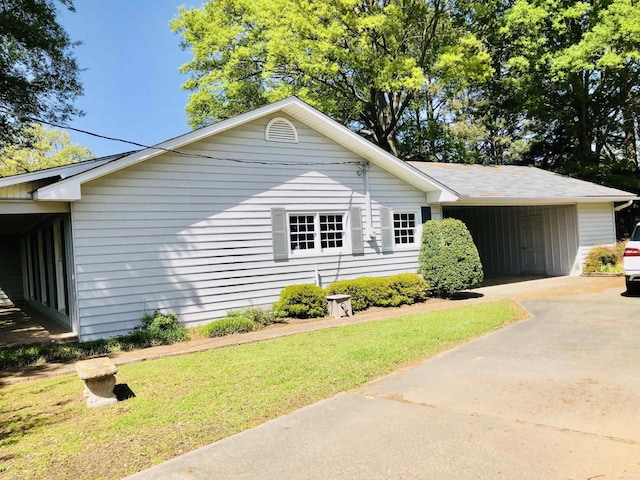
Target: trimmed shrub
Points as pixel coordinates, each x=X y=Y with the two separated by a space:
x=229 y=325
x=409 y=288
x=448 y=259
x=301 y=301
x=601 y=259
x=402 y=289
x=365 y=292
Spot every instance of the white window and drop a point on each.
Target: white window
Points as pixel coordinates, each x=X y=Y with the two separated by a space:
x=331 y=231
x=316 y=232
x=404 y=228
x=302 y=232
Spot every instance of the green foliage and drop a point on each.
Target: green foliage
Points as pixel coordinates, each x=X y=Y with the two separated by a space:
x=229 y=325
x=448 y=259
x=160 y=329
x=540 y=82
x=363 y=64
x=301 y=301
x=401 y=289
x=365 y=292
x=46 y=148
x=154 y=330
x=603 y=259
x=408 y=288
x=261 y=316
x=38 y=73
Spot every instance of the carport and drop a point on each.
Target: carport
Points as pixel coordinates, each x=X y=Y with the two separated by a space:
x=517 y=240
x=36 y=245
x=526 y=220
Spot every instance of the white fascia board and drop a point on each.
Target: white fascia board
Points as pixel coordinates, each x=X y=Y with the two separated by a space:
x=518 y=201
x=18 y=207
x=65 y=191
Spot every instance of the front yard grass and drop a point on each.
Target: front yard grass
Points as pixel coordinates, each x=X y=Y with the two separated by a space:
x=185 y=402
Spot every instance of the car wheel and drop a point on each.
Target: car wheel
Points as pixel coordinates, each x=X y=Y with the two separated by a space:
x=632 y=287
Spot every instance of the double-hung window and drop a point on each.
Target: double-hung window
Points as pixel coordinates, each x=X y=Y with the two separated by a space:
x=404 y=228
x=316 y=232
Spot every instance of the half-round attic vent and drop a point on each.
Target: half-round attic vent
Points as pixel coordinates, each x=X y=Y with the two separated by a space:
x=281 y=130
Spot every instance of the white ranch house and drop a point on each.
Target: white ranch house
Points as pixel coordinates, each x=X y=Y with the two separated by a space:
x=228 y=215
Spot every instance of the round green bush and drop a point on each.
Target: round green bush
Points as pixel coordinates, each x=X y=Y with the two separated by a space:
x=448 y=260
x=301 y=301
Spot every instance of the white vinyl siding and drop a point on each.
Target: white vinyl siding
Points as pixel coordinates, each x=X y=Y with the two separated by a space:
x=596 y=223
x=194 y=235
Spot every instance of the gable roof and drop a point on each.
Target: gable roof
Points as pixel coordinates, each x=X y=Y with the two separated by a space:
x=69 y=189
x=61 y=172
x=512 y=184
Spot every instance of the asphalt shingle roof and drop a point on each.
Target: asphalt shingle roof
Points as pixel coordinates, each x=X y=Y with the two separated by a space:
x=512 y=181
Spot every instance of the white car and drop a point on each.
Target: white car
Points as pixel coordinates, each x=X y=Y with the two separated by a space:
x=631 y=262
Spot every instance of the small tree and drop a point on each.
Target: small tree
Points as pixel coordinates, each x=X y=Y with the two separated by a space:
x=449 y=259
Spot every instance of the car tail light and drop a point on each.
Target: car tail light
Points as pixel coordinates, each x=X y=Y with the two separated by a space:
x=632 y=252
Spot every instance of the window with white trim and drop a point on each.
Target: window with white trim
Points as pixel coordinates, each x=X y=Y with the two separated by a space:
x=331 y=231
x=316 y=232
x=404 y=228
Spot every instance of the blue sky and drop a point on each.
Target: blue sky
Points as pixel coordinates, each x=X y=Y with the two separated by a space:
x=132 y=87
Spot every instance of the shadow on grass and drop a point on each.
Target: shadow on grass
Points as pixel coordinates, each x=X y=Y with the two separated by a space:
x=123 y=392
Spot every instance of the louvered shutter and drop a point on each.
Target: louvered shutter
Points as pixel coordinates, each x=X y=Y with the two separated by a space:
x=355 y=218
x=279 y=234
x=386 y=230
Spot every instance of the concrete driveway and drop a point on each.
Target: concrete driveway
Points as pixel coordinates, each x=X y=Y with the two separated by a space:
x=553 y=397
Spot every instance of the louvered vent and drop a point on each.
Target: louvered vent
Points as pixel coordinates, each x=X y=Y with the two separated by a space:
x=281 y=130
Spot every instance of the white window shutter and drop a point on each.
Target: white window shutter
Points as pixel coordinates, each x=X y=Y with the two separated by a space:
x=386 y=230
x=279 y=234
x=355 y=219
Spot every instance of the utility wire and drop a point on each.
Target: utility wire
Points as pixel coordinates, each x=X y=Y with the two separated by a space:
x=171 y=150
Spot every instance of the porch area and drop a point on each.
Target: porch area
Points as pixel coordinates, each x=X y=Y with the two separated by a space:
x=24 y=326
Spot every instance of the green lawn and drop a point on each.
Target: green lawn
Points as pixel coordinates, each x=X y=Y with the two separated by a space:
x=185 y=402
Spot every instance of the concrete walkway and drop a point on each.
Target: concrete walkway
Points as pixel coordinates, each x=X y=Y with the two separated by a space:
x=553 y=397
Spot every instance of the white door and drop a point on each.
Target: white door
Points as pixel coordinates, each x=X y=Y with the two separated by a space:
x=532 y=244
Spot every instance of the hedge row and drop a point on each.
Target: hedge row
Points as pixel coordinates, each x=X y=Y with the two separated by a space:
x=307 y=301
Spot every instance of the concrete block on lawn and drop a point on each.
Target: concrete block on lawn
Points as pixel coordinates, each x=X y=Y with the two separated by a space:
x=99 y=379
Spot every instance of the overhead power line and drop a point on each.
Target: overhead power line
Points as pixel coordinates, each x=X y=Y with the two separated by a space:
x=171 y=150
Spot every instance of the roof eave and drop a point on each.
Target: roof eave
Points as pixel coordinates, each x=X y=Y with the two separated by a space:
x=70 y=189
x=517 y=201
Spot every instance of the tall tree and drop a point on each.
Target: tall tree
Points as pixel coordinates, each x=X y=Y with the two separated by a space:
x=38 y=74
x=572 y=68
x=364 y=62
x=45 y=149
